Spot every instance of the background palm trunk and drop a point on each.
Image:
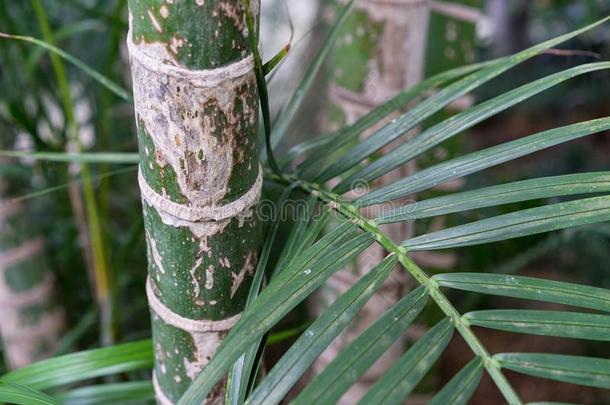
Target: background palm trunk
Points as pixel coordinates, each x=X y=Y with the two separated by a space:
x=196 y=109
x=31 y=319
x=380 y=53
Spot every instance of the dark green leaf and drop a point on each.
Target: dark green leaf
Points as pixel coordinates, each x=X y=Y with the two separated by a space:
x=544 y=187
x=588 y=371
x=22 y=395
x=516 y=224
x=547 y=323
x=528 y=288
x=398 y=382
x=461 y=387
x=83 y=365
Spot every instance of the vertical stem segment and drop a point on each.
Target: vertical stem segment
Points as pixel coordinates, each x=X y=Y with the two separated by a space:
x=196 y=110
x=31 y=321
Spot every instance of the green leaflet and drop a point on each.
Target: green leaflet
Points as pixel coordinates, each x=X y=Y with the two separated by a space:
x=358 y=356
x=95 y=75
x=407 y=372
x=290 y=287
x=516 y=224
x=135 y=392
x=461 y=387
x=437 y=102
x=482 y=159
x=528 y=288
x=319 y=335
x=588 y=371
x=533 y=189
x=460 y=122
x=94 y=157
x=22 y=395
x=83 y=365
x=547 y=323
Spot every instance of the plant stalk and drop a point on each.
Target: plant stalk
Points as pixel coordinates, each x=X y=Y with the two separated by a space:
x=196 y=105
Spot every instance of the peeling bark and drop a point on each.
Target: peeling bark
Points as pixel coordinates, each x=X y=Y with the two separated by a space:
x=196 y=110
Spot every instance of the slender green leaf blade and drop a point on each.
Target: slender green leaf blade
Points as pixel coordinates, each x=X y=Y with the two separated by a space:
x=135 y=392
x=587 y=371
x=456 y=124
x=286 y=290
x=22 y=395
x=437 y=102
x=544 y=187
x=546 y=323
x=517 y=224
x=319 y=335
x=407 y=372
x=111 y=157
x=536 y=289
x=482 y=159
x=461 y=387
x=83 y=365
x=358 y=356
x=98 y=77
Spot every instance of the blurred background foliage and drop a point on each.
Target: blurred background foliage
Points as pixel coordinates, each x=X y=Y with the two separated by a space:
x=32 y=118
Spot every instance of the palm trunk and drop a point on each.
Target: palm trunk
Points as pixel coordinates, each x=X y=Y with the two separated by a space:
x=380 y=53
x=196 y=113
x=31 y=319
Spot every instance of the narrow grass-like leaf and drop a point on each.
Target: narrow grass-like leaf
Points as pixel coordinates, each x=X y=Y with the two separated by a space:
x=321 y=147
x=286 y=290
x=240 y=374
x=479 y=160
x=461 y=387
x=544 y=187
x=516 y=224
x=398 y=382
x=83 y=365
x=587 y=371
x=437 y=102
x=460 y=122
x=546 y=323
x=95 y=157
x=359 y=355
x=319 y=335
x=312 y=70
x=22 y=395
x=528 y=288
x=95 y=75
x=136 y=392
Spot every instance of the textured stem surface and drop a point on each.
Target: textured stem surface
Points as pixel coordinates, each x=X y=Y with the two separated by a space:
x=196 y=110
x=31 y=321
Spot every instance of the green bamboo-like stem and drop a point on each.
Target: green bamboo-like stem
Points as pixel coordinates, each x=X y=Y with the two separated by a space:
x=196 y=107
x=31 y=319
